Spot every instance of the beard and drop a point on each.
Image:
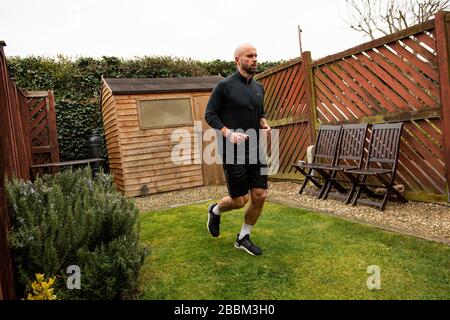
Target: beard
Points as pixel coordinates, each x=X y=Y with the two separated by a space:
x=249 y=68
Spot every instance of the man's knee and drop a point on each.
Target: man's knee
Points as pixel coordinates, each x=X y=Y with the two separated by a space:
x=240 y=202
x=259 y=196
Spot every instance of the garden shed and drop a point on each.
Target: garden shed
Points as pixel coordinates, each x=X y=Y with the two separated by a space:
x=142 y=119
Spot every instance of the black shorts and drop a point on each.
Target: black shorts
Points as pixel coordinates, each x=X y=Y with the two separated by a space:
x=243 y=177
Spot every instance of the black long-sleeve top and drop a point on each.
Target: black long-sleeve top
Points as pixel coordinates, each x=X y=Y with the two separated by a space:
x=237 y=103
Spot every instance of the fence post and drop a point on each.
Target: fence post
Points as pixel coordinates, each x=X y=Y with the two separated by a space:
x=310 y=92
x=53 y=130
x=443 y=56
x=6 y=267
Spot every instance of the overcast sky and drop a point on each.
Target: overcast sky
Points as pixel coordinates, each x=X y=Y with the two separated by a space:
x=197 y=29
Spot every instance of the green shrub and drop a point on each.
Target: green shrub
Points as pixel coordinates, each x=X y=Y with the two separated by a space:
x=71 y=219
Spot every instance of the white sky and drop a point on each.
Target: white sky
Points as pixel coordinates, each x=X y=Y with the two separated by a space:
x=198 y=29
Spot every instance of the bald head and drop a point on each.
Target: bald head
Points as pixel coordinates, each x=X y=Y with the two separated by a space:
x=242 y=49
x=245 y=57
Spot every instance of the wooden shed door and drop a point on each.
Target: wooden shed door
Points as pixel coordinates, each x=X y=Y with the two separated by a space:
x=212 y=174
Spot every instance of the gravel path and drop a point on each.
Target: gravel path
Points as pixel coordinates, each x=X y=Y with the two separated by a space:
x=426 y=220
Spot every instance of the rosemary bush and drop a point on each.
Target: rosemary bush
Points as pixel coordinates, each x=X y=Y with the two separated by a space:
x=73 y=219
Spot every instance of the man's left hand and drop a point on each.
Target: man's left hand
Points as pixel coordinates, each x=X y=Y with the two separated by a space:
x=266 y=128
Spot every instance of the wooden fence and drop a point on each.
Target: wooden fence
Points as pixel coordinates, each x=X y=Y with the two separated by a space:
x=15 y=160
x=400 y=77
x=27 y=136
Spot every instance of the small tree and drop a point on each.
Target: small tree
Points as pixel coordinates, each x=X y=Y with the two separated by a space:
x=383 y=17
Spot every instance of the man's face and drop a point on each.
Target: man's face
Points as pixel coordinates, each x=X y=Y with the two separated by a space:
x=248 y=60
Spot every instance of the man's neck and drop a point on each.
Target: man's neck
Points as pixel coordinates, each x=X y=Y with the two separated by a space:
x=245 y=74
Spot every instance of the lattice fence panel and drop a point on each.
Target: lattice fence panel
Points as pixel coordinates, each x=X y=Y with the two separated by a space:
x=42 y=123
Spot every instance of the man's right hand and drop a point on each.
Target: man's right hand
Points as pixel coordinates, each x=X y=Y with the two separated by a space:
x=235 y=137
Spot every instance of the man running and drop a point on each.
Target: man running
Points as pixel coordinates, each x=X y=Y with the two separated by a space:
x=235 y=108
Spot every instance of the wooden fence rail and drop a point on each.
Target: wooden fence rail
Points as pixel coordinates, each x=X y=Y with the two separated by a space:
x=400 y=77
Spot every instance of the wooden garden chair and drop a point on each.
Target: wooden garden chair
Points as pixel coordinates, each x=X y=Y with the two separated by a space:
x=349 y=156
x=324 y=156
x=381 y=165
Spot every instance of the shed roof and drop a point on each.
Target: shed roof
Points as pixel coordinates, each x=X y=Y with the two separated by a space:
x=161 y=85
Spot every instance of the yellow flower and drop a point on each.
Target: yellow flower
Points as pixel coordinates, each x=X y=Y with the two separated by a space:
x=39 y=277
x=41 y=289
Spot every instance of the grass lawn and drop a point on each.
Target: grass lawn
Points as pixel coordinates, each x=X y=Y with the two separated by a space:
x=305 y=256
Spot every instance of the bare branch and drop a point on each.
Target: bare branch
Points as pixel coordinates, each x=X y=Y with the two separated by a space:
x=383 y=17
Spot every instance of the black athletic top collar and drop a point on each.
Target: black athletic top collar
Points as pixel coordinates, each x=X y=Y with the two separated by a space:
x=242 y=78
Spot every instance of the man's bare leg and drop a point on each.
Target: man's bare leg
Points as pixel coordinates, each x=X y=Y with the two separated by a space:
x=253 y=211
x=226 y=204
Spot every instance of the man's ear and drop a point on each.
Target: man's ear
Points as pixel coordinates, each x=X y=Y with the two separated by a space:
x=236 y=59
